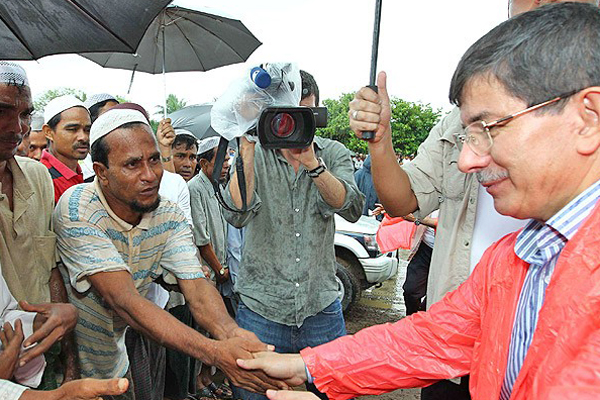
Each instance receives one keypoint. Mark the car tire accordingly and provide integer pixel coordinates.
(350, 290)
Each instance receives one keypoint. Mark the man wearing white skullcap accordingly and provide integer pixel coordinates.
(185, 152)
(67, 126)
(99, 103)
(27, 247)
(115, 237)
(210, 227)
(37, 140)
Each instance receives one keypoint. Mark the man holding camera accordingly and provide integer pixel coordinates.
(287, 285)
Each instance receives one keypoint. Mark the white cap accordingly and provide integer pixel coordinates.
(208, 144)
(181, 131)
(60, 104)
(114, 119)
(12, 74)
(98, 98)
(37, 121)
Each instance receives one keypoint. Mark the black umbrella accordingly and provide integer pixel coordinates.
(180, 39)
(31, 29)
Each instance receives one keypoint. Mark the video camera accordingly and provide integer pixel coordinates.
(290, 127)
(265, 107)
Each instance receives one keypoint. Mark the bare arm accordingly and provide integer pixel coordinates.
(208, 254)
(118, 290)
(165, 135)
(82, 389)
(247, 154)
(330, 188)
(58, 294)
(207, 307)
(370, 111)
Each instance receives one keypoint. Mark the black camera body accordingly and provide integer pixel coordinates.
(290, 127)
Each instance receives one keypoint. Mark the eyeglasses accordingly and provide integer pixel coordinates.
(477, 135)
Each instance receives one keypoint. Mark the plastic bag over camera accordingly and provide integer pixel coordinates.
(239, 108)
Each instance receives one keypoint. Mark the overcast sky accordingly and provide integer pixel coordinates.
(420, 44)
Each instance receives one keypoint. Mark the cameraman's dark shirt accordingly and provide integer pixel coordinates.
(288, 263)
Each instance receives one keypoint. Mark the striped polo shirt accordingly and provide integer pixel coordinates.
(540, 245)
(93, 239)
(63, 177)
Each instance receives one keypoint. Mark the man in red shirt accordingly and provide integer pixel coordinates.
(67, 126)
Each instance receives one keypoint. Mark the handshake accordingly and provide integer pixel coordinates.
(289, 368)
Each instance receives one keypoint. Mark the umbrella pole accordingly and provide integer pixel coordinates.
(164, 61)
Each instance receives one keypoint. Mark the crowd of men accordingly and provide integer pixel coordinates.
(120, 265)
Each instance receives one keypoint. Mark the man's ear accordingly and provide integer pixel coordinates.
(48, 132)
(588, 138)
(101, 171)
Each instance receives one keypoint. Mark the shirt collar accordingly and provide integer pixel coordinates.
(65, 171)
(124, 225)
(560, 228)
(21, 184)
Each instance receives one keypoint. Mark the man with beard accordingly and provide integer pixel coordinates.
(115, 237)
(67, 126)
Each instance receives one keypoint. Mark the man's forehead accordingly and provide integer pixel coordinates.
(485, 98)
(16, 96)
(76, 113)
(131, 140)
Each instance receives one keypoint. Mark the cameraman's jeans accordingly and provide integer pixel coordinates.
(321, 328)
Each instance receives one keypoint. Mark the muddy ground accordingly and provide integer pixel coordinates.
(377, 306)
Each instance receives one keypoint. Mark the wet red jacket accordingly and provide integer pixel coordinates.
(469, 331)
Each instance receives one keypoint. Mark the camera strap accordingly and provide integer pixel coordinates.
(239, 167)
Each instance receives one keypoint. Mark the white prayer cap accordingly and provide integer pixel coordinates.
(37, 121)
(60, 104)
(12, 74)
(98, 98)
(208, 144)
(114, 119)
(181, 131)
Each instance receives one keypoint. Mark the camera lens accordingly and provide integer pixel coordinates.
(283, 125)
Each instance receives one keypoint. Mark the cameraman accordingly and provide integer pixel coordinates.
(286, 282)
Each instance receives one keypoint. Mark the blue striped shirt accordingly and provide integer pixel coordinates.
(540, 244)
(92, 239)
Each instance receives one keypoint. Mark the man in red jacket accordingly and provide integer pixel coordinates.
(526, 323)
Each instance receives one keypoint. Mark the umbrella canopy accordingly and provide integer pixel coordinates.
(31, 29)
(195, 119)
(181, 40)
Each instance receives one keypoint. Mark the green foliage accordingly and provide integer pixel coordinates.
(411, 123)
(51, 94)
(122, 99)
(173, 104)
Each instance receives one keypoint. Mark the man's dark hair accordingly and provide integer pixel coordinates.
(100, 149)
(54, 121)
(537, 55)
(95, 109)
(309, 86)
(186, 139)
(207, 155)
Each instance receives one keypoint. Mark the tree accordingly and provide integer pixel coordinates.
(411, 123)
(51, 94)
(173, 104)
